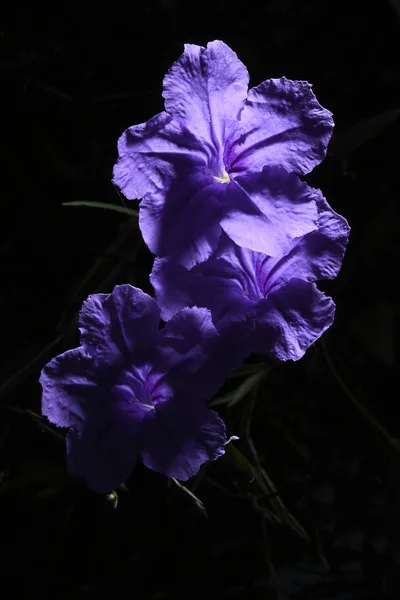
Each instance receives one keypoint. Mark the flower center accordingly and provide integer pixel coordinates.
(224, 178)
(133, 387)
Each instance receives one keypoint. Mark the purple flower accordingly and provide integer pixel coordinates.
(131, 388)
(275, 297)
(191, 163)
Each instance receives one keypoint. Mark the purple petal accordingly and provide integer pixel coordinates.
(235, 280)
(312, 257)
(183, 223)
(104, 450)
(268, 210)
(328, 244)
(197, 360)
(291, 319)
(68, 388)
(205, 89)
(281, 124)
(225, 283)
(220, 286)
(118, 327)
(196, 357)
(175, 287)
(184, 342)
(104, 416)
(151, 154)
(181, 437)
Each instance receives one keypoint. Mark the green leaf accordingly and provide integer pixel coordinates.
(232, 398)
(247, 370)
(121, 209)
(238, 460)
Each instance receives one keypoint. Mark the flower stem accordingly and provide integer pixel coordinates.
(393, 442)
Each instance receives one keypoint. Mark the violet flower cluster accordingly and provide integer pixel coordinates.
(240, 241)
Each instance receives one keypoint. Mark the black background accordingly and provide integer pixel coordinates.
(74, 77)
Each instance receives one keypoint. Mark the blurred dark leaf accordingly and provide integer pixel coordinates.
(105, 205)
(238, 460)
(101, 276)
(396, 6)
(42, 472)
(374, 328)
(234, 397)
(345, 142)
(247, 370)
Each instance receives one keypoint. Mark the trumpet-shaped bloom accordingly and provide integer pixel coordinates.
(275, 297)
(132, 389)
(190, 163)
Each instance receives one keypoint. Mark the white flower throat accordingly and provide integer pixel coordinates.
(224, 177)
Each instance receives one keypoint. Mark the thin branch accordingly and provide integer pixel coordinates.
(105, 205)
(393, 442)
(37, 419)
(268, 559)
(52, 90)
(268, 485)
(195, 499)
(23, 372)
